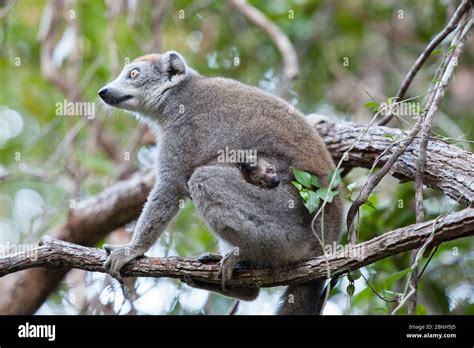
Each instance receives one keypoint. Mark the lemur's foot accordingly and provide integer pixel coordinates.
(209, 258)
(117, 257)
(227, 265)
(189, 280)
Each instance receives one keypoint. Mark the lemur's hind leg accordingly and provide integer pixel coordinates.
(209, 258)
(243, 215)
(227, 265)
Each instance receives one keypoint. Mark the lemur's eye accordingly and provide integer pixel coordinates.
(134, 73)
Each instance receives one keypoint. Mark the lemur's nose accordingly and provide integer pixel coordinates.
(102, 92)
(276, 181)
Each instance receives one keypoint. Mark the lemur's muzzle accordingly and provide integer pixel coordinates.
(112, 96)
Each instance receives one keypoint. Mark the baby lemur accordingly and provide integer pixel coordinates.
(196, 117)
(259, 172)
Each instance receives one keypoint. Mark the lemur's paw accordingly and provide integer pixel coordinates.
(189, 280)
(227, 265)
(117, 257)
(209, 258)
(109, 248)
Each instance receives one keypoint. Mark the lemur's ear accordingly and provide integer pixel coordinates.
(173, 64)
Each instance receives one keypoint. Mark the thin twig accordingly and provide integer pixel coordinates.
(375, 179)
(427, 123)
(290, 59)
(427, 262)
(452, 24)
(233, 309)
(376, 292)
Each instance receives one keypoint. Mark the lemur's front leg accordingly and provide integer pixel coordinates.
(161, 206)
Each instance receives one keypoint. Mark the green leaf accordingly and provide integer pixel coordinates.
(371, 105)
(380, 309)
(392, 293)
(350, 289)
(337, 178)
(305, 195)
(326, 194)
(451, 49)
(297, 185)
(362, 297)
(312, 203)
(351, 186)
(315, 181)
(396, 276)
(302, 177)
(371, 202)
(437, 51)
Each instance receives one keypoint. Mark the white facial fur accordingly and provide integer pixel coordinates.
(144, 91)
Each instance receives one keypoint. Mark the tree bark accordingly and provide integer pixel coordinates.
(54, 253)
(448, 168)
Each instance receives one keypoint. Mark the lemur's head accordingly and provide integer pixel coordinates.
(143, 84)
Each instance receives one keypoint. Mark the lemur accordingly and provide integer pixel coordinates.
(197, 117)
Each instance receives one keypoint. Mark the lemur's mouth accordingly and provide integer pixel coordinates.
(110, 96)
(121, 99)
(112, 100)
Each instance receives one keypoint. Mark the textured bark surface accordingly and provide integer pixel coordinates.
(56, 253)
(448, 169)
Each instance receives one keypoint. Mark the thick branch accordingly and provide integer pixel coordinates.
(56, 253)
(448, 168)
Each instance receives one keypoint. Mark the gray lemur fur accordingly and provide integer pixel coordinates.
(199, 116)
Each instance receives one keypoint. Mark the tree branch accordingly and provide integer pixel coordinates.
(452, 24)
(427, 124)
(448, 168)
(88, 222)
(287, 51)
(55, 253)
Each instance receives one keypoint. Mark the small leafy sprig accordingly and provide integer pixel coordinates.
(310, 188)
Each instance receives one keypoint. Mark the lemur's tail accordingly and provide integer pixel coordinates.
(304, 299)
